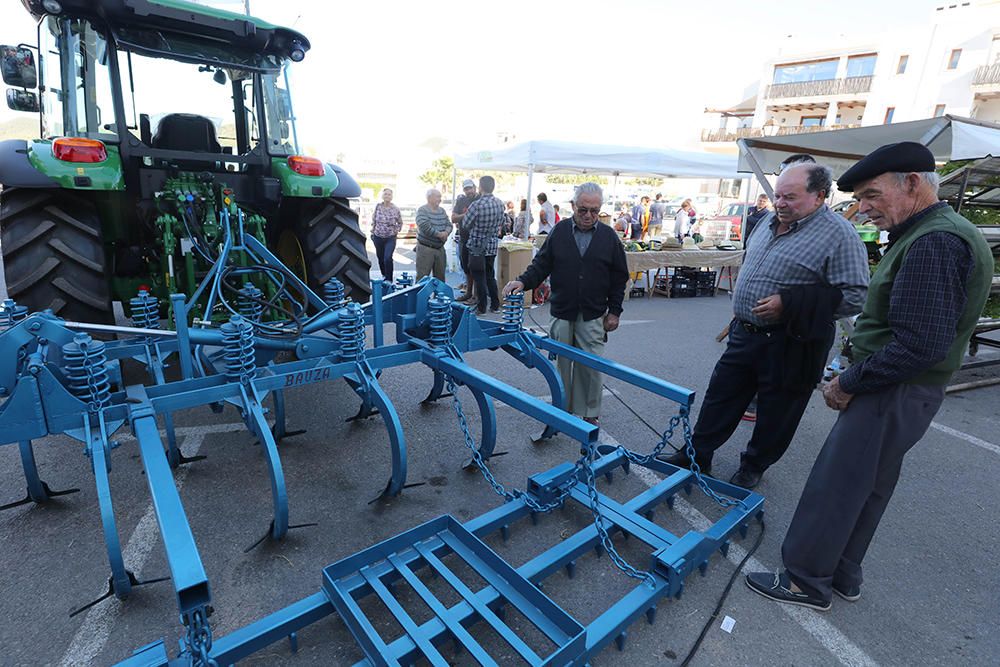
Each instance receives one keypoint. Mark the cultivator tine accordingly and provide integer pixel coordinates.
(48, 494)
(546, 434)
(133, 583)
(470, 463)
(365, 411)
(271, 533)
(177, 458)
(437, 390)
(386, 493)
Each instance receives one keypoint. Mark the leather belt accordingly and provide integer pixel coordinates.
(750, 327)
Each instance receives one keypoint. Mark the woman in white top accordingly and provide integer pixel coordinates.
(682, 221)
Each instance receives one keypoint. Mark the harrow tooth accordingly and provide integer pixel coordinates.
(571, 569)
(293, 642)
(703, 567)
(534, 518)
(599, 549)
(627, 467)
(649, 514)
(501, 612)
(724, 549)
(651, 614)
(609, 476)
(743, 530)
(670, 501)
(505, 532)
(620, 640)
(680, 591)
(687, 489)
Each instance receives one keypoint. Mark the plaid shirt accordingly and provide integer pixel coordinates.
(820, 249)
(482, 221)
(927, 299)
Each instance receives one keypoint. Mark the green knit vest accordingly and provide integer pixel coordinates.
(872, 331)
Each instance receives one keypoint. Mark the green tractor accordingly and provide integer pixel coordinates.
(156, 116)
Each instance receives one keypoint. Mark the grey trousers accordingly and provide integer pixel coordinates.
(851, 483)
(430, 261)
(584, 386)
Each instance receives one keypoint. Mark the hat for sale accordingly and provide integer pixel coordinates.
(904, 157)
(468, 183)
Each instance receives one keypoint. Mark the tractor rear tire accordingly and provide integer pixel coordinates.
(332, 246)
(53, 254)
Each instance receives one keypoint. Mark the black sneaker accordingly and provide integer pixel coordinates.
(778, 587)
(849, 593)
(681, 460)
(746, 478)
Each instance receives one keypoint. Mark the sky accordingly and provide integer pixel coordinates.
(384, 77)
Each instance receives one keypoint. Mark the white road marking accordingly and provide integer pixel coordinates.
(988, 446)
(832, 639)
(92, 635)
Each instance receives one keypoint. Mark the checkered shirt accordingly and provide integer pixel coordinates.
(483, 220)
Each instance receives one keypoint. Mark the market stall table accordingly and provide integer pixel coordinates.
(661, 260)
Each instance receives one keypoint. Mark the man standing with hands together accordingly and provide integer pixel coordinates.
(586, 262)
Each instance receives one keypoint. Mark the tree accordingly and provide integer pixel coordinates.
(651, 181)
(575, 179)
(439, 174)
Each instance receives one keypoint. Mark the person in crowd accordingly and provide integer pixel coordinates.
(462, 204)
(657, 211)
(558, 217)
(386, 223)
(588, 272)
(433, 229)
(623, 223)
(482, 222)
(547, 214)
(803, 271)
(759, 211)
(922, 306)
(640, 217)
(507, 227)
(522, 223)
(682, 221)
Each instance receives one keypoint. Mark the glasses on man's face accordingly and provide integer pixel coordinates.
(583, 210)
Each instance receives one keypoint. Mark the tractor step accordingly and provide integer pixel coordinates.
(375, 570)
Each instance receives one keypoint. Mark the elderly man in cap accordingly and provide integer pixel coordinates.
(469, 195)
(922, 306)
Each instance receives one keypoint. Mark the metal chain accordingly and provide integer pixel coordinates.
(477, 458)
(643, 459)
(199, 640)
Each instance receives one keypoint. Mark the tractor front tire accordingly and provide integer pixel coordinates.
(332, 246)
(53, 254)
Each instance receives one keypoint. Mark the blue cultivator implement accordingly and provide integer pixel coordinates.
(57, 379)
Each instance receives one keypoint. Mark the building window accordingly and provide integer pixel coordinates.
(863, 65)
(812, 121)
(939, 111)
(815, 70)
(838, 120)
(888, 115)
(901, 65)
(954, 58)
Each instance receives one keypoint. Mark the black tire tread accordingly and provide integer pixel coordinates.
(333, 245)
(53, 253)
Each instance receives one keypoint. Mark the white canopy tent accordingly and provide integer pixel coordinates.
(563, 157)
(948, 137)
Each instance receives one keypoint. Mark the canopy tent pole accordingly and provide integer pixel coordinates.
(454, 184)
(614, 191)
(531, 173)
(757, 170)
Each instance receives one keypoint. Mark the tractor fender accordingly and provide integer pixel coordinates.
(17, 171)
(105, 175)
(348, 187)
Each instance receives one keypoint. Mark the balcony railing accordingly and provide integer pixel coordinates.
(854, 84)
(745, 132)
(986, 74)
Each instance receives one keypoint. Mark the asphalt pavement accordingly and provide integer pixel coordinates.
(929, 596)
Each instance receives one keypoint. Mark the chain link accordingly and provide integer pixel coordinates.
(199, 640)
(477, 458)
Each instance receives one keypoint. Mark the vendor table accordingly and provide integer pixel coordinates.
(661, 260)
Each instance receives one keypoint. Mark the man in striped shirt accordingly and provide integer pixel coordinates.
(802, 245)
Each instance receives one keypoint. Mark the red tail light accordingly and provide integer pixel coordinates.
(77, 149)
(307, 166)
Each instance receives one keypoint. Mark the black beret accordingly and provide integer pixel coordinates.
(904, 157)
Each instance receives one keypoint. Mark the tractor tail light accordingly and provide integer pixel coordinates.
(77, 149)
(307, 166)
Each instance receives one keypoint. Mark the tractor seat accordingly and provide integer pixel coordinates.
(186, 132)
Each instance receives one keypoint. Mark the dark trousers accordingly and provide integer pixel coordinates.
(384, 247)
(753, 363)
(851, 483)
(486, 284)
(463, 254)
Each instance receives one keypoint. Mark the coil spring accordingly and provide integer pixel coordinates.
(237, 348)
(405, 280)
(249, 302)
(513, 313)
(145, 310)
(11, 313)
(87, 372)
(333, 293)
(439, 319)
(351, 332)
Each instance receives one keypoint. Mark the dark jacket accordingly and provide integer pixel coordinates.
(592, 285)
(809, 313)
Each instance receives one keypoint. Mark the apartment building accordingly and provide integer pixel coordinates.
(949, 65)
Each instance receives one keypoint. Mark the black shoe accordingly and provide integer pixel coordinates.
(849, 593)
(681, 460)
(746, 478)
(778, 587)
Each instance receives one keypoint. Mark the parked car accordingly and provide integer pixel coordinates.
(409, 215)
(727, 225)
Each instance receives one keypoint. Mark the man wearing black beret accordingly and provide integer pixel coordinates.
(923, 303)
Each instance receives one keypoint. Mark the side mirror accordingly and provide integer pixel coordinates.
(22, 100)
(17, 65)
